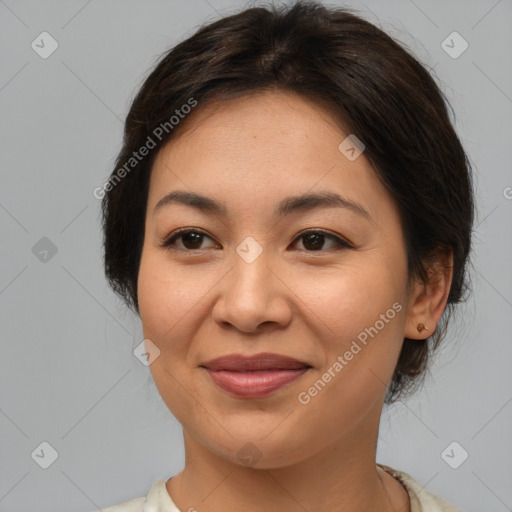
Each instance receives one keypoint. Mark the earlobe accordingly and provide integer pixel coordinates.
(427, 301)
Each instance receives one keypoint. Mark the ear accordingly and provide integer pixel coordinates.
(427, 300)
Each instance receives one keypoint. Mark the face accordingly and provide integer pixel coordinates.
(324, 283)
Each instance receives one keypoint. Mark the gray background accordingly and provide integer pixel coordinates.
(68, 373)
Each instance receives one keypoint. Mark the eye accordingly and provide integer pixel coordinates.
(314, 239)
(191, 239)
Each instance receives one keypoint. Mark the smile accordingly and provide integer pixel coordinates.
(254, 384)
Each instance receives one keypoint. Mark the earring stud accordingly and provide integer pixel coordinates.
(421, 327)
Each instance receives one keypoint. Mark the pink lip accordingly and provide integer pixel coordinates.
(263, 361)
(254, 384)
(254, 376)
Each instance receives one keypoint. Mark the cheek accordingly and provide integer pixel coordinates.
(360, 332)
(347, 300)
(362, 315)
(165, 295)
(165, 298)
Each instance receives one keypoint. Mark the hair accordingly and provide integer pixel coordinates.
(373, 87)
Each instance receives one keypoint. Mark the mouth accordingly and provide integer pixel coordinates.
(257, 362)
(254, 376)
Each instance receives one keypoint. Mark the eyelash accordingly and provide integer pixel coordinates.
(168, 243)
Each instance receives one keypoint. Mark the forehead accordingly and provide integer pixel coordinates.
(252, 151)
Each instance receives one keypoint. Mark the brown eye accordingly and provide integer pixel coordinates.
(314, 240)
(191, 240)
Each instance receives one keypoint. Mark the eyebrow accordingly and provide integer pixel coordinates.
(291, 204)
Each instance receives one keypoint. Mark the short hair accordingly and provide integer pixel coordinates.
(374, 88)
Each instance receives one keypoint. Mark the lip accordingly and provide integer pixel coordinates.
(263, 361)
(255, 384)
(254, 376)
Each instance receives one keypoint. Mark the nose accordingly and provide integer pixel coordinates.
(252, 297)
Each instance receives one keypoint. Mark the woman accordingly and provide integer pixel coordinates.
(290, 215)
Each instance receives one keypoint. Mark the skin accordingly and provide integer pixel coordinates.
(249, 154)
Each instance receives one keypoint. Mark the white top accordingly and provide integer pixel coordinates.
(158, 499)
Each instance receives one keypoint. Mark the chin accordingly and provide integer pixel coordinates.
(261, 451)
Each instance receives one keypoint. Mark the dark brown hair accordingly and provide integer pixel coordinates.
(373, 86)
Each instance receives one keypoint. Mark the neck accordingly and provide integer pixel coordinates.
(342, 476)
